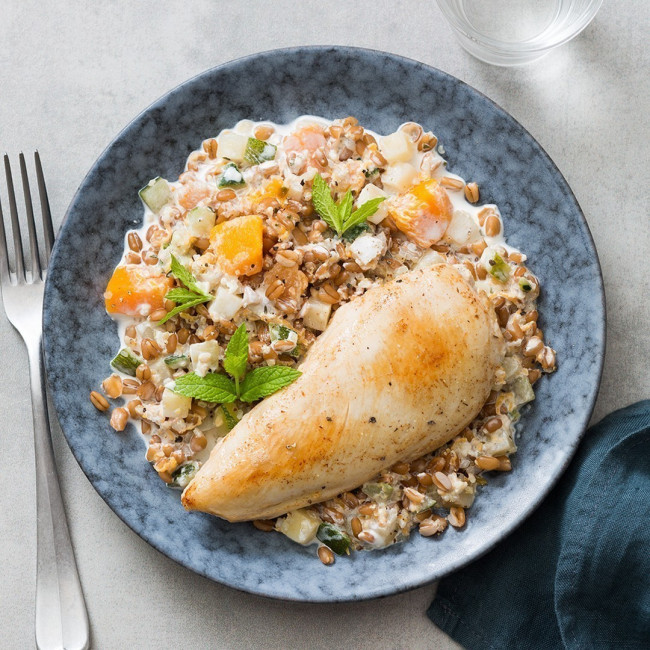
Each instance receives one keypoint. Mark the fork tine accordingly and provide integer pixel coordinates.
(31, 226)
(5, 276)
(15, 225)
(48, 229)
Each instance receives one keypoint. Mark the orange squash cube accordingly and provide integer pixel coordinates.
(238, 245)
(136, 290)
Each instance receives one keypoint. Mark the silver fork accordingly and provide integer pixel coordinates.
(61, 619)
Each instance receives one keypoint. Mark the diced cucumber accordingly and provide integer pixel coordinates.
(229, 416)
(334, 538)
(258, 151)
(156, 194)
(231, 176)
(511, 366)
(184, 474)
(279, 332)
(378, 491)
(176, 361)
(200, 221)
(124, 361)
(523, 390)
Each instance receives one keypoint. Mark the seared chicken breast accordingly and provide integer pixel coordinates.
(399, 372)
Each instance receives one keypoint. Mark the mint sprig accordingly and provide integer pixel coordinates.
(185, 297)
(339, 216)
(246, 387)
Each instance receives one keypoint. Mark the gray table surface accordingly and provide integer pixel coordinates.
(73, 74)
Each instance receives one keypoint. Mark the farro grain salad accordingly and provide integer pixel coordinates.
(322, 332)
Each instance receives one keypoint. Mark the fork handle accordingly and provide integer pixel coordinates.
(61, 619)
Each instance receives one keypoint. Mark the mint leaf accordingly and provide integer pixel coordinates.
(361, 215)
(236, 357)
(184, 276)
(324, 203)
(184, 306)
(345, 209)
(211, 388)
(180, 294)
(266, 380)
(228, 415)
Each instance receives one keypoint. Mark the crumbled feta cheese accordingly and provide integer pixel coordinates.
(384, 527)
(205, 357)
(251, 296)
(367, 249)
(225, 305)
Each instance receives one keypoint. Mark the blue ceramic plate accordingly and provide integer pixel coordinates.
(482, 143)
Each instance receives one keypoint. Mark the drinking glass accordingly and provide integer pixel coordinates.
(512, 32)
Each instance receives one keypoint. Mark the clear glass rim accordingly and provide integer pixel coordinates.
(529, 46)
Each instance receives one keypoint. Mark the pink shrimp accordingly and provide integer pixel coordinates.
(308, 138)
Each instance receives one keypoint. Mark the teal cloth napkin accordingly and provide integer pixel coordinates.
(576, 574)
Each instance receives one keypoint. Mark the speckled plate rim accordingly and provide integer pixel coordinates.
(599, 335)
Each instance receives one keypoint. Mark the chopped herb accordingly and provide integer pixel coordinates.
(525, 285)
